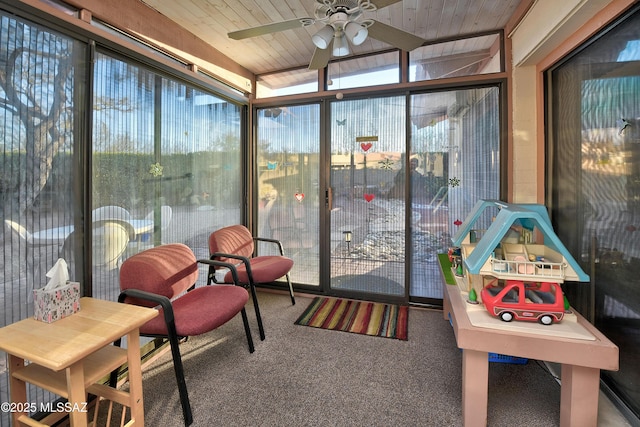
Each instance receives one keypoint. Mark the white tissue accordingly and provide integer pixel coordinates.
(58, 275)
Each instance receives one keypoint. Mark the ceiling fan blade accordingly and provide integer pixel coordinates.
(268, 29)
(321, 57)
(394, 36)
(384, 3)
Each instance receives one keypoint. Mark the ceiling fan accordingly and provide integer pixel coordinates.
(343, 24)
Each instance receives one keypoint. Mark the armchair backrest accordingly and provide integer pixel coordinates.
(167, 270)
(234, 239)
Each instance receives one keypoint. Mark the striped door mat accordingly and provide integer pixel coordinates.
(360, 317)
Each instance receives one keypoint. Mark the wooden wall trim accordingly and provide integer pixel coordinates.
(136, 18)
(509, 101)
(518, 16)
(590, 28)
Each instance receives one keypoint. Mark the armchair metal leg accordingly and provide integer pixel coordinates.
(293, 298)
(247, 330)
(182, 384)
(254, 297)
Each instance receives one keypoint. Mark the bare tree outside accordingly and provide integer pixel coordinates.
(36, 90)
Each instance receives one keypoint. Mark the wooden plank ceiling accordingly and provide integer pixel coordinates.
(211, 20)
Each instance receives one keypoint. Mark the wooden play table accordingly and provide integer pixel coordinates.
(581, 361)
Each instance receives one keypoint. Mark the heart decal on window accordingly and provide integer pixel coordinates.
(299, 196)
(366, 146)
(369, 197)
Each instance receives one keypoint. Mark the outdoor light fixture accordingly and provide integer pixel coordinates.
(347, 238)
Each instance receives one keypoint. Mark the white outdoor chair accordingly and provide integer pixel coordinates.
(110, 212)
(109, 243)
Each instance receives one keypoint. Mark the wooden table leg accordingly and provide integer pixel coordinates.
(17, 388)
(446, 306)
(77, 395)
(579, 396)
(135, 377)
(475, 387)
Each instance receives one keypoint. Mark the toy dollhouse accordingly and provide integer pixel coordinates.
(519, 244)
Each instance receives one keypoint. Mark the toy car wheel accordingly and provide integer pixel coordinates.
(506, 316)
(546, 319)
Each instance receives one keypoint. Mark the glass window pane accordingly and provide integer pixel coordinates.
(166, 159)
(364, 71)
(38, 137)
(368, 145)
(39, 140)
(288, 185)
(454, 162)
(464, 57)
(287, 83)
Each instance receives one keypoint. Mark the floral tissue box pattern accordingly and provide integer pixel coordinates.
(55, 304)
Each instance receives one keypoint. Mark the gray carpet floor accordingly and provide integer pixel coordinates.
(303, 376)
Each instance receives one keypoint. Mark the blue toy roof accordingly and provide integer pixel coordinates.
(527, 215)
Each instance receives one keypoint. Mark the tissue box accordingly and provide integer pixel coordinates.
(63, 301)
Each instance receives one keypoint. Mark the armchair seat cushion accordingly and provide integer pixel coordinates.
(265, 269)
(220, 302)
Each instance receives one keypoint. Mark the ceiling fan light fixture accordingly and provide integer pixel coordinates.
(323, 37)
(340, 46)
(356, 33)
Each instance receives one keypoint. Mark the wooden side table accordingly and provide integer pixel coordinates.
(69, 356)
(581, 362)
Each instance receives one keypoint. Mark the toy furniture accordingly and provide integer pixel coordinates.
(69, 356)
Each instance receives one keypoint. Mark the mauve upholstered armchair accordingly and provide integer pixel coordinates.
(165, 277)
(235, 244)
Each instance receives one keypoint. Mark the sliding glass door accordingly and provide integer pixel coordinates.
(287, 187)
(454, 162)
(399, 190)
(365, 214)
(594, 191)
(367, 197)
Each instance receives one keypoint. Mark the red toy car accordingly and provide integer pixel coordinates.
(542, 302)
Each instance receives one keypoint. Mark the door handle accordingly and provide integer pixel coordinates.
(328, 198)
